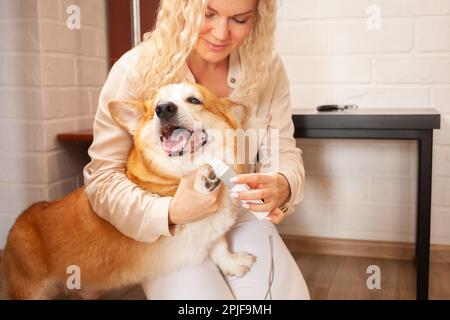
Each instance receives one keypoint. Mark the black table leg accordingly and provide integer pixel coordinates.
(424, 213)
(423, 221)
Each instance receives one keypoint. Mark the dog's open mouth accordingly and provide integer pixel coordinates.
(176, 141)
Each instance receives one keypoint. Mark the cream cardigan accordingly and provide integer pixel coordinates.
(142, 215)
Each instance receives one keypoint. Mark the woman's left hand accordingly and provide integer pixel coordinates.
(273, 188)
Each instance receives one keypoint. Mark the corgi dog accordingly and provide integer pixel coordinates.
(168, 130)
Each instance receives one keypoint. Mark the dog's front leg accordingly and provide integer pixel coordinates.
(234, 264)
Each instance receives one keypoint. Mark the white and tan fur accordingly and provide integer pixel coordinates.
(49, 237)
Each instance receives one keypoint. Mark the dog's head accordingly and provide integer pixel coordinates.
(174, 128)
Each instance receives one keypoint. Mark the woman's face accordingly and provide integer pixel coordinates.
(227, 24)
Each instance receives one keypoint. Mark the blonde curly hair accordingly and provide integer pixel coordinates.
(165, 50)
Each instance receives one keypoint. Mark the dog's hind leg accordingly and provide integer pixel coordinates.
(26, 274)
(23, 289)
(26, 284)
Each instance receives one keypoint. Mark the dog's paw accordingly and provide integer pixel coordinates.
(238, 264)
(206, 180)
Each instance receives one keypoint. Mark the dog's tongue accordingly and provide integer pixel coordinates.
(174, 140)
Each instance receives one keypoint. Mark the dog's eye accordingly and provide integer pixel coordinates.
(193, 100)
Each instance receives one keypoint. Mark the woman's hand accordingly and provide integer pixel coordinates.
(273, 188)
(189, 205)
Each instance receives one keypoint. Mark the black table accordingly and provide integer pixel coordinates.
(410, 124)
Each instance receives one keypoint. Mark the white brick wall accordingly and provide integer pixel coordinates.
(50, 80)
(367, 189)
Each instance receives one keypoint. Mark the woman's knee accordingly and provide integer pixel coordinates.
(275, 273)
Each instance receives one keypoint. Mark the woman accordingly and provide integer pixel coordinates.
(227, 46)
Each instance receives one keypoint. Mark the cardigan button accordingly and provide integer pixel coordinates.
(233, 80)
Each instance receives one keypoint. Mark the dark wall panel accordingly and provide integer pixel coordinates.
(119, 25)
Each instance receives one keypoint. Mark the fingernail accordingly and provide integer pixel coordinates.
(269, 218)
(234, 195)
(234, 179)
(246, 205)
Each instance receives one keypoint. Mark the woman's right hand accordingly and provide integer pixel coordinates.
(189, 205)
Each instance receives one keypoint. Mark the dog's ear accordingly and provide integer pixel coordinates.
(237, 111)
(128, 114)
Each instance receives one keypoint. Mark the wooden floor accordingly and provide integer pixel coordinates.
(344, 278)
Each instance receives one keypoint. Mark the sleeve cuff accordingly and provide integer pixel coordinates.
(287, 207)
(157, 221)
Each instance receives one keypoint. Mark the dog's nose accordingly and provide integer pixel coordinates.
(166, 110)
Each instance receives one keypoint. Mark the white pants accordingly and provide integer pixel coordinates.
(205, 281)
